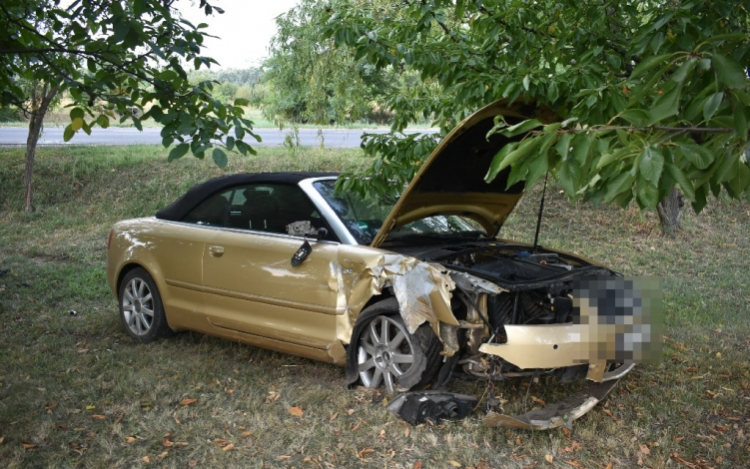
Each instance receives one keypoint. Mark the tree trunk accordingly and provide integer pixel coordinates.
(670, 212)
(40, 102)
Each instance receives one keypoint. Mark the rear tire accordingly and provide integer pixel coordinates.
(387, 354)
(141, 309)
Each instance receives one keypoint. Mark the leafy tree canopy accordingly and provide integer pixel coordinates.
(125, 54)
(309, 79)
(649, 95)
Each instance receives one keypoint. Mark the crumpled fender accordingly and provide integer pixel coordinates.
(423, 289)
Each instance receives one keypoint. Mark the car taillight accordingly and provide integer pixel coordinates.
(109, 240)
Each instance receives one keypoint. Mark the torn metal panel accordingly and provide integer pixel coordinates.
(468, 282)
(423, 289)
(554, 415)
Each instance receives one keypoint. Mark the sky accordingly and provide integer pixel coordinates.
(244, 30)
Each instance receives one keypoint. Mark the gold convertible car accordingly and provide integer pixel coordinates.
(402, 294)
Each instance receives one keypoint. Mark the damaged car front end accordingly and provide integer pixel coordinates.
(500, 309)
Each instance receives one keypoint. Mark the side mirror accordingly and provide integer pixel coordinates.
(305, 250)
(301, 254)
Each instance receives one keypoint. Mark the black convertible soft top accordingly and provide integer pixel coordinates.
(177, 210)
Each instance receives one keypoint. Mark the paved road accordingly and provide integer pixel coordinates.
(331, 138)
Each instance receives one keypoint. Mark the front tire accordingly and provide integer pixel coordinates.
(387, 354)
(141, 309)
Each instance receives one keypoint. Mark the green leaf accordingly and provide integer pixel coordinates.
(85, 127)
(497, 160)
(581, 144)
(650, 165)
(728, 165)
(684, 70)
(569, 175)
(679, 177)
(68, 133)
(647, 193)
(553, 92)
(525, 148)
(220, 158)
(622, 183)
(649, 63)
(712, 105)
(700, 198)
(729, 72)
(563, 146)
(521, 128)
(241, 102)
(121, 28)
(103, 121)
(637, 117)
(666, 105)
(526, 82)
(698, 156)
(740, 123)
(739, 183)
(76, 113)
(178, 152)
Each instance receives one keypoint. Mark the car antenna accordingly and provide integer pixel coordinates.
(541, 211)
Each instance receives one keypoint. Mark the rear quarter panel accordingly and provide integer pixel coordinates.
(172, 253)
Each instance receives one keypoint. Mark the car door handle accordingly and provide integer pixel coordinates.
(216, 251)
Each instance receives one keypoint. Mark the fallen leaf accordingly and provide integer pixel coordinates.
(417, 465)
(284, 457)
(99, 417)
(192, 463)
(28, 446)
(573, 463)
(296, 411)
(609, 466)
(549, 458)
(163, 455)
(167, 443)
(50, 406)
(188, 401)
(146, 459)
(406, 432)
(536, 400)
(228, 447)
(181, 443)
(645, 450)
(678, 459)
(90, 407)
(350, 411)
(454, 463)
(608, 412)
(364, 452)
(130, 439)
(2, 438)
(245, 434)
(640, 460)
(221, 442)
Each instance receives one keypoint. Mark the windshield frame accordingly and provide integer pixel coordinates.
(369, 232)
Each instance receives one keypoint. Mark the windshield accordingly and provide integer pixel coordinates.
(363, 217)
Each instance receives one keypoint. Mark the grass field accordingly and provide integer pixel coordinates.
(75, 391)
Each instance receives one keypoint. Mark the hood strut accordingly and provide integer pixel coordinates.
(541, 211)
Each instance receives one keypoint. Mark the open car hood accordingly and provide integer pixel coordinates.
(451, 181)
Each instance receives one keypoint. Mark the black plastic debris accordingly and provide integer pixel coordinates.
(434, 406)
